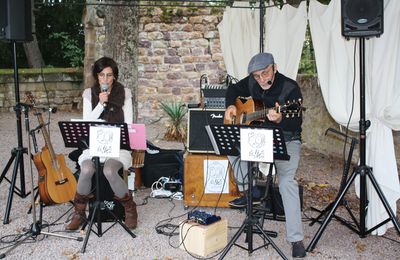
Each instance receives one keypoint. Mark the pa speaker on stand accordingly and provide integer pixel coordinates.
(362, 18)
(16, 20)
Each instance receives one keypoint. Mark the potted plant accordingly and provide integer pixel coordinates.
(176, 130)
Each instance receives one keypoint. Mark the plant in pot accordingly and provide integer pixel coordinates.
(176, 129)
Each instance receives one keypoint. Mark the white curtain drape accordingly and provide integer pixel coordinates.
(284, 37)
(285, 32)
(239, 33)
(337, 67)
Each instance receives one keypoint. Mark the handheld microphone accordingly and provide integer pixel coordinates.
(104, 89)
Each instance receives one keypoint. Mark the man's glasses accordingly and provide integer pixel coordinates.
(264, 74)
(104, 75)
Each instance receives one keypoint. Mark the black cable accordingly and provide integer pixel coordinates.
(352, 107)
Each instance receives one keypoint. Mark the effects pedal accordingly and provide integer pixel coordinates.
(202, 217)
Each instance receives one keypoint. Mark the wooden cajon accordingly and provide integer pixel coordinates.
(203, 239)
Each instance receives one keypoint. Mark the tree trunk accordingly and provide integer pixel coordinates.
(121, 42)
(32, 51)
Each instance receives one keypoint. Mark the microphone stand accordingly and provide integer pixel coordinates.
(35, 228)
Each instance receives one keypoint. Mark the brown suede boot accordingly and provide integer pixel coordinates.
(130, 210)
(79, 215)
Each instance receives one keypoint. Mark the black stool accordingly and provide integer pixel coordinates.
(107, 197)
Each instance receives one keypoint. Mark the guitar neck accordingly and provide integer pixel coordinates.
(259, 114)
(46, 137)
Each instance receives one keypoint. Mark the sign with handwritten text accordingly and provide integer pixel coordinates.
(216, 176)
(104, 141)
(256, 145)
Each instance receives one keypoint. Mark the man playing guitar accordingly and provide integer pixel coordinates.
(272, 89)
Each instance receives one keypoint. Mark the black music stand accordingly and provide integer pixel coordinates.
(345, 174)
(76, 133)
(226, 141)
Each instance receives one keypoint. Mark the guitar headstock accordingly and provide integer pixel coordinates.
(30, 99)
(292, 108)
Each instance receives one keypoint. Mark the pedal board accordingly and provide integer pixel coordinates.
(202, 217)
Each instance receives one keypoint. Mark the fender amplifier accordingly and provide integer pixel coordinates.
(198, 140)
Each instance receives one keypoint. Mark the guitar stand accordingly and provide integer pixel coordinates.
(343, 201)
(76, 134)
(35, 228)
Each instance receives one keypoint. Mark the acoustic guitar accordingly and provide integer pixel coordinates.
(249, 111)
(57, 184)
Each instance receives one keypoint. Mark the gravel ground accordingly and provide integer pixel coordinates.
(319, 174)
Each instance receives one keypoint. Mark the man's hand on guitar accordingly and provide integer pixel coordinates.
(274, 116)
(230, 114)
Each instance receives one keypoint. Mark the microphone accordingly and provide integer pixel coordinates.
(104, 88)
(269, 82)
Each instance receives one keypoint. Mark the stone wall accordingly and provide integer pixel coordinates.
(176, 47)
(57, 89)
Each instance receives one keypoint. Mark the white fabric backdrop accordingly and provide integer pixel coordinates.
(284, 37)
(239, 33)
(336, 70)
(285, 32)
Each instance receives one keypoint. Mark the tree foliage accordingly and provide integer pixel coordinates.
(59, 31)
(59, 27)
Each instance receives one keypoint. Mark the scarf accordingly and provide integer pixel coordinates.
(113, 111)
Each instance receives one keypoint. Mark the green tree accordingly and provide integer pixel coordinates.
(60, 31)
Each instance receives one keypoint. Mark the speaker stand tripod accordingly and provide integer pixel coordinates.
(363, 171)
(17, 152)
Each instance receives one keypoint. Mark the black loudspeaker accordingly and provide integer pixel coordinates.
(362, 18)
(198, 140)
(16, 20)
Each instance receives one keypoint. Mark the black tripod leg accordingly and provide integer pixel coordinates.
(26, 236)
(321, 229)
(321, 213)
(89, 229)
(266, 237)
(385, 203)
(120, 222)
(11, 190)
(10, 161)
(233, 240)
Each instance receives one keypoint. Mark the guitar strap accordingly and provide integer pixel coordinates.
(285, 93)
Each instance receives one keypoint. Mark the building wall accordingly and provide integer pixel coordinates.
(57, 89)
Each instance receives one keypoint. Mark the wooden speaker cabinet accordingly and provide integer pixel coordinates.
(194, 185)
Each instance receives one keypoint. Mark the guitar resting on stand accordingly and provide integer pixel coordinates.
(57, 183)
(35, 229)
